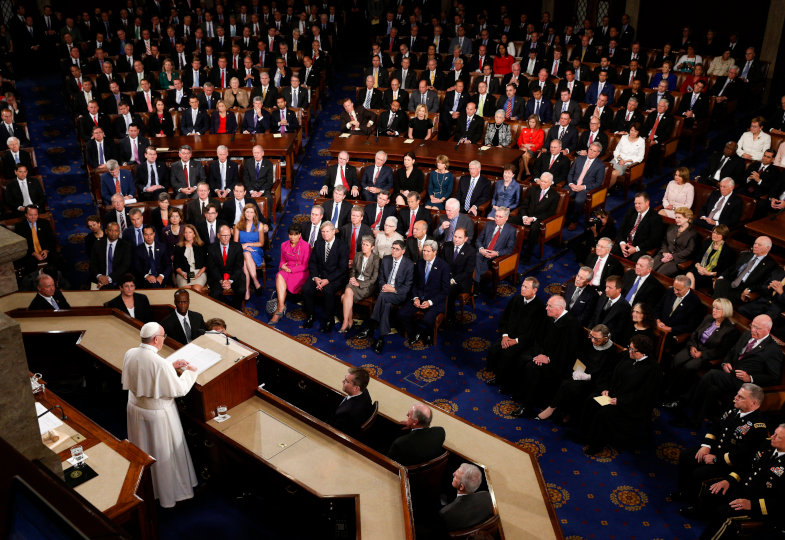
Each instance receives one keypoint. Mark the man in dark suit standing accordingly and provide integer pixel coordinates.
(337, 210)
(495, 240)
(422, 443)
(581, 296)
(49, 297)
(469, 126)
(429, 295)
(396, 275)
(110, 259)
(755, 357)
(327, 273)
(474, 189)
(639, 231)
(722, 207)
(748, 275)
(470, 507)
(225, 268)
(183, 325)
(21, 192)
(541, 203)
(223, 173)
(461, 257)
(356, 407)
(152, 261)
(549, 360)
(586, 174)
(638, 285)
(612, 310)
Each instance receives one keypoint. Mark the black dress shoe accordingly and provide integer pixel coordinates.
(522, 412)
(427, 341)
(327, 327)
(308, 323)
(365, 333)
(378, 347)
(414, 339)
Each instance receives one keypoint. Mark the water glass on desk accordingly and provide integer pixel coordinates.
(220, 412)
(77, 456)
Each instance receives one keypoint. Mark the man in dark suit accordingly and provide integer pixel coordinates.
(640, 231)
(49, 297)
(195, 207)
(657, 129)
(223, 173)
(21, 192)
(496, 240)
(553, 162)
(519, 324)
(612, 310)
(327, 273)
(762, 177)
(209, 228)
(358, 120)
(412, 213)
(424, 96)
(627, 116)
(379, 78)
(416, 242)
(586, 174)
(183, 325)
(396, 276)
(231, 211)
(31, 229)
(194, 120)
(343, 174)
(194, 76)
(750, 274)
(492, 85)
(225, 267)
(723, 206)
(433, 76)
(429, 295)
(15, 156)
(86, 123)
(393, 122)
(356, 407)
(99, 150)
(376, 214)
(565, 103)
(110, 259)
(208, 98)
(178, 98)
(596, 132)
(452, 220)
(258, 175)
(679, 310)
(755, 357)
(581, 296)
(353, 232)
(638, 285)
(454, 104)
(110, 179)
(474, 189)
(694, 106)
(131, 147)
(422, 443)
(602, 264)
(470, 507)
(395, 93)
(295, 95)
(151, 261)
(469, 126)
(337, 210)
(539, 106)
(461, 257)
(541, 203)
(565, 133)
(599, 110)
(406, 75)
(576, 88)
(725, 165)
(283, 120)
(152, 176)
(513, 106)
(257, 119)
(548, 361)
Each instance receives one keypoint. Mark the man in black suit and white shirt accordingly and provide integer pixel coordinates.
(194, 120)
(474, 189)
(345, 175)
(185, 174)
(110, 259)
(679, 310)
(15, 156)
(470, 507)
(412, 213)
(541, 203)
(602, 264)
(356, 407)
(612, 310)
(337, 210)
(223, 173)
(183, 325)
(639, 231)
(49, 297)
(209, 228)
(21, 192)
(586, 174)
(393, 122)
(376, 214)
(430, 288)
(461, 257)
(395, 93)
(258, 175)
(225, 267)
(581, 296)
(722, 207)
(725, 165)
(638, 285)
(152, 177)
(496, 240)
(422, 443)
(327, 273)
(152, 262)
(454, 103)
(553, 162)
(748, 275)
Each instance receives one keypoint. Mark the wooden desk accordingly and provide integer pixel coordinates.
(361, 147)
(518, 486)
(239, 145)
(773, 228)
(123, 487)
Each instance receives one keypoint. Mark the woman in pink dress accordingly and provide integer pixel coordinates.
(678, 193)
(293, 270)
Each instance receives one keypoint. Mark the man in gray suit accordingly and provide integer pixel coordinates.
(185, 174)
(451, 221)
(494, 241)
(426, 97)
(586, 174)
(396, 275)
(470, 507)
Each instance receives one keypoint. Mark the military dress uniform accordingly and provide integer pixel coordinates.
(763, 485)
(733, 439)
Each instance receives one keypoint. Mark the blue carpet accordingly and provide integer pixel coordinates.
(610, 495)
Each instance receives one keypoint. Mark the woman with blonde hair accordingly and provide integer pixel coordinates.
(420, 127)
(236, 97)
(678, 245)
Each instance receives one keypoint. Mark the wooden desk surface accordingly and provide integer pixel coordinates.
(239, 144)
(326, 467)
(513, 475)
(773, 228)
(365, 148)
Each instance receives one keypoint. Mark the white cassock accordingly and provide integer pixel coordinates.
(154, 424)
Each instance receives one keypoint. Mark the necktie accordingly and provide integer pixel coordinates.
(508, 109)
(122, 221)
(149, 103)
(561, 132)
(633, 290)
(117, 186)
(258, 168)
(187, 329)
(101, 159)
(375, 175)
(353, 243)
(312, 238)
(676, 304)
(109, 259)
(653, 132)
(367, 102)
(715, 212)
(223, 256)
(746, 69)
(294, 98)
(480, 107)
(54, 304)
(745, 272)
(211, 226)
(494, 239)
(542, 195)
(282, 128)
(411, 224)
(223, 78)
(135, 149)
(138, 236)
(391, 281)
(427, 270)
(627, 116)
(379, 213)
(16, 157)
(36, 242)
(153, 175)
(555, 69)
(694, 99)
(467, 202)
(95, 119)
(591, 137)
(584, 171)
(326, 252)
(153, 269)
(343, 178)
(335, 215)
(553, 158)
(631, 235)
(608, 304)
(185, 173)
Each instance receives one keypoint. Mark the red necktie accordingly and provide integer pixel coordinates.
(95, 120)
(185, 172)
(494, 239)
(343, 179)
(224, 255)
(226, 274)
(378, 218)
(411, 224)
(353, 243)
(634, 229)
(654, 129)
(597, 266)
(591, 138)
(223, 79)
(553, 158)
(117, 186)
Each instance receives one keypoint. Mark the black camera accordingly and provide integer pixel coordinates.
(594, 220)
(191, 275)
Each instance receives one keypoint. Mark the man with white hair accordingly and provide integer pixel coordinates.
(153, 422)
(470, 506)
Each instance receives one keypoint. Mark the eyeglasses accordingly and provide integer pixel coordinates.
(632, 349)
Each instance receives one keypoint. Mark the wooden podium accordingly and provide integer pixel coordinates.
(229, 382)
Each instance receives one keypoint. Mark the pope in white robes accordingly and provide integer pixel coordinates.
(153, 422)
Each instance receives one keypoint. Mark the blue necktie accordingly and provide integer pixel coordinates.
(150, 255)
(633, 290)
(138, 236)
(109, 260)
(427, 271)
(335, 215)
(258, 166)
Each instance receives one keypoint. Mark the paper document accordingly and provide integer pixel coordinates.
(345, 135)
(48, 421)
(408, 141)
(603, 400)
(483, 148)
(199, 357)
(579, 366)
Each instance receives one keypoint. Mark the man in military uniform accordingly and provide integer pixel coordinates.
(756, 494)
(730, 443)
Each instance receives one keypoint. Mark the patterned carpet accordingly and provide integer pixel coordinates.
(610, 495)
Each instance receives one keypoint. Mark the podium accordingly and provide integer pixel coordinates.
(229, 382)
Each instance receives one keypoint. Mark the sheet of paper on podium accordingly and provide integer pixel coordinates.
(48, 421)
(199, 357)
